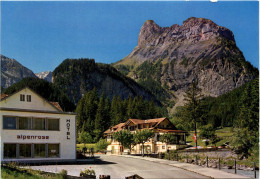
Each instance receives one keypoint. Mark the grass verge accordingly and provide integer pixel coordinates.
(21, 173)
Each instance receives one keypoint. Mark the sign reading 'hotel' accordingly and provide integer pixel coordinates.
(68, 128)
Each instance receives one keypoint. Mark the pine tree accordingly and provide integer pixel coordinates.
(192, 108)
(113, 111)
(120, 110)
(80, 118)
(107, 119)
(129, 108)
(246, 131)
(100, 115)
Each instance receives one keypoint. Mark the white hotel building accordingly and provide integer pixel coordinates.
(33, 128)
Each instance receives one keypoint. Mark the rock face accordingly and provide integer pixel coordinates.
(199, 49)
(47, 75)
(12, 72)
(77, 76)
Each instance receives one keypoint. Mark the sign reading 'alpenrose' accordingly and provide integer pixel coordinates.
(23, 137)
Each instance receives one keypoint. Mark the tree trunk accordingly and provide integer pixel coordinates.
(121, 147)
(196, 144)
(143, 149)
(130, 148)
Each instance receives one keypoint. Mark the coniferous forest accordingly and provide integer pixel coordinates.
(95, 113)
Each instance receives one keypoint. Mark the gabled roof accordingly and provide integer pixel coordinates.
(115, 128)
(56, 105)
(157, 121)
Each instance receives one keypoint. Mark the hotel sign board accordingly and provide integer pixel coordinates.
(68, 128)
(23, 137)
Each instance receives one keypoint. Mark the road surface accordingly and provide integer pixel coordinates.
(120, 167)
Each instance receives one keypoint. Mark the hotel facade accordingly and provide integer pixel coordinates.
(33, 128)
(159, 126)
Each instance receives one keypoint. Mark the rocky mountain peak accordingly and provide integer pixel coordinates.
(148, 30)
(193, 30)
(12, 71)
(47, 75)
(207, 28)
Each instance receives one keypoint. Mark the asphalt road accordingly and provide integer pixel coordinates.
(120, 167)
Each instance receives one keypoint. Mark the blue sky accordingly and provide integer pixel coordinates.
(40, 35)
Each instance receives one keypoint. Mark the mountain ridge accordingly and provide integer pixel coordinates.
(12, 71)
(199, 50)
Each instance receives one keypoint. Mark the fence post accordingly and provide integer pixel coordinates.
(235, 166)
(196, 160)
(176, 157)
(219, 163)
(254, 170)
(207, 161)
(186, 158)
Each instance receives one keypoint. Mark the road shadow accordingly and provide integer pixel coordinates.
(89, 160)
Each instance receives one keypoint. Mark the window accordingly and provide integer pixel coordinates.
(53, 124)
(38, 123)
(163, 147)
(9, 150)
(22, 97)
(53, 150)
(39, 150)
(25, 150)
(29, 98)
(9, 122)
(24, 123)
(158, 137)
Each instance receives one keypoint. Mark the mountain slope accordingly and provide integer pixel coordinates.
(12, 72)
(81, 75)
(170, 58)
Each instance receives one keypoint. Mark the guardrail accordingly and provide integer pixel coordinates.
(197, 160)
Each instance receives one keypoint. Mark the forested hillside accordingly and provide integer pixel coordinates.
(224, 111)
(77, 76)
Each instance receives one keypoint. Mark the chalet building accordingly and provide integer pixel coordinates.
(159, 126)
(33, 128)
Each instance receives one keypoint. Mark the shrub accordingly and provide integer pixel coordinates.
(12, 164)
(87, 172)
(64, 174)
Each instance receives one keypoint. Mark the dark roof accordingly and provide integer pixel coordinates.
(3, 96)
(57, 105)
